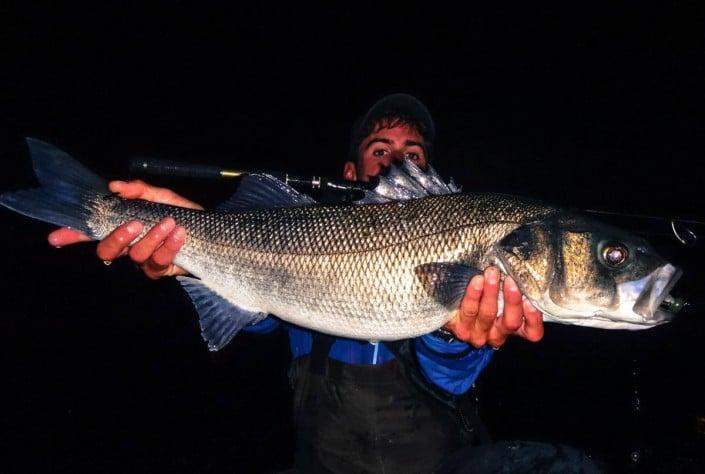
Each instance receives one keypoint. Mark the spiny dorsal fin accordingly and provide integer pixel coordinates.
(407, 181)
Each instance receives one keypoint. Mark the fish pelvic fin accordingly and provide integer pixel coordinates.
(67, 189)
(220, 320)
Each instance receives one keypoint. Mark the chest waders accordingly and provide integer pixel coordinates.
(376, 418)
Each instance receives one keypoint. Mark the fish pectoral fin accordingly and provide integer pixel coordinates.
(219, 319)
(260, 191)
(446, 282)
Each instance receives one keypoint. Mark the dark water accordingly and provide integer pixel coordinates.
(104, 370)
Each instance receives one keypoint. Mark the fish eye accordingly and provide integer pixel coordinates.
(615, 254)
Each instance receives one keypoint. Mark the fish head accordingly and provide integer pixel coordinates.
(577, 270)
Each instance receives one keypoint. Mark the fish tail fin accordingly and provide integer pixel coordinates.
(67, 193)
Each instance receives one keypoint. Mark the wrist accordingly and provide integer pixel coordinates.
(445, 335)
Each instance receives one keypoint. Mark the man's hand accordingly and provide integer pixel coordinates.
(477, 323)
(156, 250)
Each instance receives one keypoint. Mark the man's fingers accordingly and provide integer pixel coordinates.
(487, 312)
(172, 244)
(160, 264)
(463, 324)
(477, 323)
(144, 249)
(532, 329)
(471, 301)
(513, 314)
(128, 189)
(512, 317)
(137, 189)
(66, 236)
(115, 244)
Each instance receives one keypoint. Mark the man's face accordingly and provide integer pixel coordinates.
(383, 147)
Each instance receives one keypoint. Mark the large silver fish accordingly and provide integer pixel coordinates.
(381, 270)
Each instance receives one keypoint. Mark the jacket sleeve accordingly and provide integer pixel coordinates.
(267, 325)
(452, 366)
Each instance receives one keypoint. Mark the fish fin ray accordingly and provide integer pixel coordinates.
(67, 189)
(445, 282)
(428, 180)
(407, 181)
(220, 320)
(258, 191)
(401, 178)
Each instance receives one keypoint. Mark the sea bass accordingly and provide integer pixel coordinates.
(384, 269)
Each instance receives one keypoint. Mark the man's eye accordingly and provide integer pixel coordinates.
(379, 153)
(412, 156)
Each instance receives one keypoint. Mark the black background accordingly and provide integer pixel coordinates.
(594, 107)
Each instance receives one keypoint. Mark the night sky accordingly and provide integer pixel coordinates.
(598, 107)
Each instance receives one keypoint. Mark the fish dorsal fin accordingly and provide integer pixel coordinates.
(393, 190)
(453, 187)
(446, 282)
(428, 180)
(407, 181)
(219, 319)
(399, 178)
(258, 191)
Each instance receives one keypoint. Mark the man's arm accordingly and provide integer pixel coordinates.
(454, 366)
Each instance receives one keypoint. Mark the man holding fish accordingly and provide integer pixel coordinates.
(355, 408)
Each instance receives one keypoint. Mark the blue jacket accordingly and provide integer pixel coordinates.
(452, 366)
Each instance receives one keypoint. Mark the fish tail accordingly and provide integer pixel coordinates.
(67, 193)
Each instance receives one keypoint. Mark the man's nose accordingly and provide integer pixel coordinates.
(394, 157)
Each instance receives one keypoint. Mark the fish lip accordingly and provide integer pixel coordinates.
(649, 301)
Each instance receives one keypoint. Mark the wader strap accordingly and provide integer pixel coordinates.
(320, 348)
(465, 405)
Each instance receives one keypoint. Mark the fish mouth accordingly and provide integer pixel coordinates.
(655, 304)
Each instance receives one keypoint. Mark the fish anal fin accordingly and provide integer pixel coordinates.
(219, 319)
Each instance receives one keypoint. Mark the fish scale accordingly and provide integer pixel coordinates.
(362, 258)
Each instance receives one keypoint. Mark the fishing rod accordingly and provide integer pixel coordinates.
(348, 191)
(678, 227)
(345, 190)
